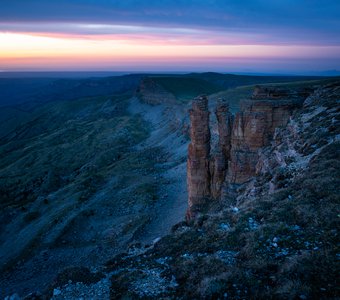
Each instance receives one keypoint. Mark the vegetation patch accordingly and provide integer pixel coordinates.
(186, 88)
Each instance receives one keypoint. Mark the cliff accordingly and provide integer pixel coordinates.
(254, 128)
(219, 162)
(240, 140)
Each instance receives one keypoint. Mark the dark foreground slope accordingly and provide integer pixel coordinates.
(278, 239)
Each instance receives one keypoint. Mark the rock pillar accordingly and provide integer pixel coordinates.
(198, 174)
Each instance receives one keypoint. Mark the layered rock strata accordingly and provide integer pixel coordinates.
(219, 162)
(225, 124)
(249, 133)
(240, 140)
(254, 128)
(198, 174)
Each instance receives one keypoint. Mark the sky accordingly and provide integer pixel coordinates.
(269, 36)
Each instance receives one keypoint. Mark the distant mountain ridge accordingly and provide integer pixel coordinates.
(32, 90)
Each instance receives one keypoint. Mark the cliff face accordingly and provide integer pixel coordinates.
(240, 140)
(249, 133)
(225, 123)
(219, 162)
(198, 174)
(253, 129)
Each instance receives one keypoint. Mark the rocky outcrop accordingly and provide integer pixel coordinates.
(261, 92)
(225, 123)
(254, 126)
(249, 133)
(240, 139)
(198, 174)
(150, 92)
(217, 168)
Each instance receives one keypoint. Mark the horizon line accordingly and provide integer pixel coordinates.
(325, 73)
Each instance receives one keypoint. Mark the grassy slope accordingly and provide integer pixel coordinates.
(186, 88)
(30, 93)
(235, 95)
(52, 166)
(231, 80)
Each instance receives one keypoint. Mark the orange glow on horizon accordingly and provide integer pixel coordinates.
(36, 50)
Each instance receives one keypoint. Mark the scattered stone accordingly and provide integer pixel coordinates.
(224, 227)
(235, 209)
(253, 225)
(56, 292)
(156, 240)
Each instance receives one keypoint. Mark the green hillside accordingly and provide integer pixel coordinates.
(186, 88)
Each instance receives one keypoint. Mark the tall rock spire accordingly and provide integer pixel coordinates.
(198, 174)
(225, 125)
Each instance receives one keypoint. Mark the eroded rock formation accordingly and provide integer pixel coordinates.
(249, 133)
(198, 175)
(254, 128)
(219, 162)
(240, 140)
(225, 123)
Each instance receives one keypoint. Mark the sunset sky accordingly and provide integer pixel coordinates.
(273, 36)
